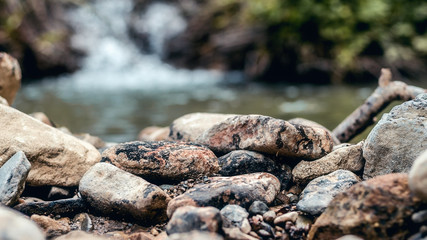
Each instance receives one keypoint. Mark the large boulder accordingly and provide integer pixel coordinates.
(241, 190)
(267, 135)
(190, 126)
(163, 161)
(56, 158)
(12, 178)
(379, 208)
(418, 176)
(112, 191)
(16, 226)
(10, 77)
(397, 139)
(347, 158)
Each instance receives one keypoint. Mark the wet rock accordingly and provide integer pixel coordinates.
(258, 207)
(397, 139)
(303, 121)
(347, 158)
(14, 225)
(59, 207)
(52, 228)
(189, 218)
(10, 77)
(154, 133)
(418, 176)
(199, 235)
(189, 127)
(290, 216)
(163, 161)
(319, 192)
(235, 216)
(12, 178)
(56, 158)
(111, 190)
(241, 190)
(242, 162)
(80, 235)
(267, 135)
(365, 210)
(236, 234)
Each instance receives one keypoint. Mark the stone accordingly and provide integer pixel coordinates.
(16, 226)
(303, 121)
(51, 227)
(10, 77)
(80, 235)
(418, 176)
(234, 216)
(154, 133)
(366, 208)
(289, 216)
(236, 234)
(83, 222)
(12, 178)
(241, 190)
(319, 192)
(349, 237)
(59, 207)
(189, 218)
(163, 161)
(258, 207)
(419, 217)
(397, 139)
(56, 158)
(3, 101)
(199, 235)
(57, 193)
(347, 158)
(269, 216)
(190, 126)
(93, 140)
(113, 191)
(242, 162)
(267, 135)
(42, 118)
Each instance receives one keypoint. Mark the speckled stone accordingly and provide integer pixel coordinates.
(189, 218)
(163, 161)
(113, 191)
(241, 190)
(234, 216)
(267, 135)
(365, 209)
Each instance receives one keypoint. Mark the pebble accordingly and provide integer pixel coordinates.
(418, 176)
(258, 207)
(189, 218)
(195, 234)
(269, 216)
(290, 216)
(51, 227)
(420, 217)
(234, 216)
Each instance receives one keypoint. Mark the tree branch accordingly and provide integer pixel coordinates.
(384, 94)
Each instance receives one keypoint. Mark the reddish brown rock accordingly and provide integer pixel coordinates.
(240, 190)
(267, 135)
(190, 126)
(379, 208)
(10, 77)
(51, 227)
(163, 161)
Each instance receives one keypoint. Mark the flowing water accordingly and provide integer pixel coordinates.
(120, 90)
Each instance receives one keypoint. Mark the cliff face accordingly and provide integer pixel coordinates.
(36, 33)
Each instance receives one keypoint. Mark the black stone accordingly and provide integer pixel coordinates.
(64, 207)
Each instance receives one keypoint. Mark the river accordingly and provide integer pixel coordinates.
(121, 90)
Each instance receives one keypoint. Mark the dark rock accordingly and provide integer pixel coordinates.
(16, 226)
(241, 190)
(366, 208)
(189, 218)
(319, 192)
(258, 207)
(12, 178)
(163, 161)
(113, 191)
(397, 139)
(267, 135)
(64, 207)
(56, 193)
(418, 176)
(420, 217)
(346, 158)
(51, 227)
(199, 235)
(234, 216)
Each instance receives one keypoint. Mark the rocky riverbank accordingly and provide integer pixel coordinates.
(213, 176)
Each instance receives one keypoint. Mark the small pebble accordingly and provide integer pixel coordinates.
(269, 216)
(419, 217)
(264, 233)
(290, 216)
(258, 207)
(154, 232)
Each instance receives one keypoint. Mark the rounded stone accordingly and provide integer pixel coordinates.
(418, 176)
(258, 207)
(233, 216)
(14, 225)
(189, 218)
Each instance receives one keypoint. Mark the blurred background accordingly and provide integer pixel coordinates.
(113, 67)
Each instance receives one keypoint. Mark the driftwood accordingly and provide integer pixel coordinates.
(364, 116)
